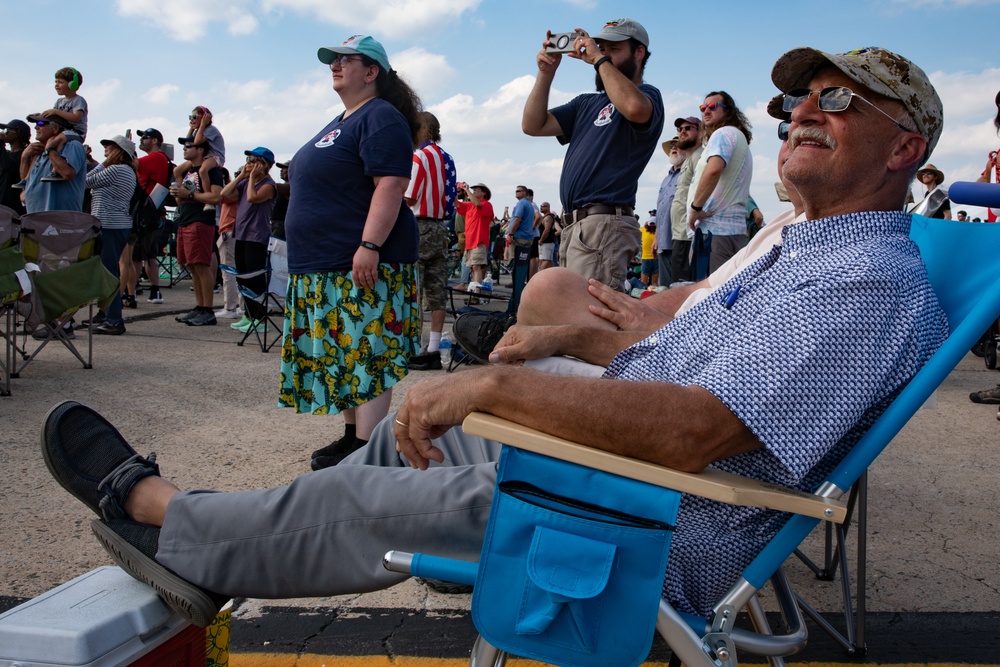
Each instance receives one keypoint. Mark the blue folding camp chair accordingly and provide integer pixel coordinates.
(559, 622)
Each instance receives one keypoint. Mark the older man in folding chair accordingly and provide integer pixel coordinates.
(775, 377)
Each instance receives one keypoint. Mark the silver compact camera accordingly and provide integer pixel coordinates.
(562, 42)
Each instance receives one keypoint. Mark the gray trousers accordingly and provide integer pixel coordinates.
(326, 532)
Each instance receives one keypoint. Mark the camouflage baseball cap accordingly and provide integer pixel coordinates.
(775, 108)
(881, 71)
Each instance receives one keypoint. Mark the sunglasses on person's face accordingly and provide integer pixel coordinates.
(342, 59)
(42, 123)
(686, 128)
(831, 99)
(712, 106)
(783, 128)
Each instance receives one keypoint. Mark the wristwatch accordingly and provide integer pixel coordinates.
(371, 246)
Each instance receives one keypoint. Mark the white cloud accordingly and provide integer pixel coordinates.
(188, 20)
(429, 74)
(162, 94)
(387, 18)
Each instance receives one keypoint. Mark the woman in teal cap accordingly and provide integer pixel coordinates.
(352, 318)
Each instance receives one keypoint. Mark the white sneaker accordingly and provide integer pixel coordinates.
(233, 314)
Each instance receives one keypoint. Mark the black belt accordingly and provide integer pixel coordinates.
(441, 220)
(595, 209)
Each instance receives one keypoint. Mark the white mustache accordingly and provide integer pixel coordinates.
(801, 134)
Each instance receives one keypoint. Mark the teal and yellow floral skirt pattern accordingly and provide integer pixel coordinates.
(343, 346)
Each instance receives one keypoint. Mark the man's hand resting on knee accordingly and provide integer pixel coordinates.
(630, 314)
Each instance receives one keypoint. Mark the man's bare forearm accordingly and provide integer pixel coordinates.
(595, 346)
(686, 428)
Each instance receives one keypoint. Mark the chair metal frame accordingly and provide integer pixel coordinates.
(969, 293)
(267, 301)
(519, 278)
(55, 325)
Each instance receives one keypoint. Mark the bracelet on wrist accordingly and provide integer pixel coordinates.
(696, 208)
(371, 246)
(601, 61)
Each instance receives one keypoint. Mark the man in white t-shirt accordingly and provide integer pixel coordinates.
(721, 184)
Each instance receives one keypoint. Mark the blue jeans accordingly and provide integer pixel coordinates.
(113, 242)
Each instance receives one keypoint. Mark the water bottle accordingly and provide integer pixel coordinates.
(487, 284)
(445, 349)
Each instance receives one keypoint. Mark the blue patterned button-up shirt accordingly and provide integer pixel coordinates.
(807, 346)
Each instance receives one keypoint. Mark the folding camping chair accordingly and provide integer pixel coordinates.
(260, 306)
(63, 245)
(969, 293)
(521, 263)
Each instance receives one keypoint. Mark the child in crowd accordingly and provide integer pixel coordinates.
(71, 106)
(201, 128)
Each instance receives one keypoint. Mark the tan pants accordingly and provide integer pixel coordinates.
(601, 246)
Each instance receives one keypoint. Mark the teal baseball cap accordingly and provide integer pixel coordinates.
(363, 45)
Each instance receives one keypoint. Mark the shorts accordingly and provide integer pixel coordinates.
(433, 263)
(650, 267)
(601, 247)
(194, 243)
(148, 247)
(524, 243)
(547, 252)
(533, 254)
(476, 256)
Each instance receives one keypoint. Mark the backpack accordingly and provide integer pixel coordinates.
(145, 216)
(170, 201)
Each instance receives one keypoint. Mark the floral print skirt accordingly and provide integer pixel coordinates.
(344, 345)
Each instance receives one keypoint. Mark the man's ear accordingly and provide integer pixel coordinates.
(908, 152)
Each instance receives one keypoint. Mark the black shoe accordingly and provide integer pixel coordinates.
(97, 319)
(154, 295)
(991, 396)
(90, 458)
(128, 301)
(336, 452)
(205, 318)
(479, 333)
(44, 333)
(428, 361)
(191, 314)
(108, 329)
(446, 587)
(133, 547)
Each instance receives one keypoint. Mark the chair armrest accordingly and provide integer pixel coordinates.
(712, 484)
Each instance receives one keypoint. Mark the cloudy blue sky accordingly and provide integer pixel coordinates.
(253, 62)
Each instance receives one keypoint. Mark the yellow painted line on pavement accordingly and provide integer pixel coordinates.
(313, 660)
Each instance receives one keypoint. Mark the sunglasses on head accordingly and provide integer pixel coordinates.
(712, 106)
(831, 99)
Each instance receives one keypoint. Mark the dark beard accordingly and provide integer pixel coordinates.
(687, 143)
(628, 69)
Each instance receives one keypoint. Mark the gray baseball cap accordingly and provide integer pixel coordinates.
(881, 71)
(619, 30)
